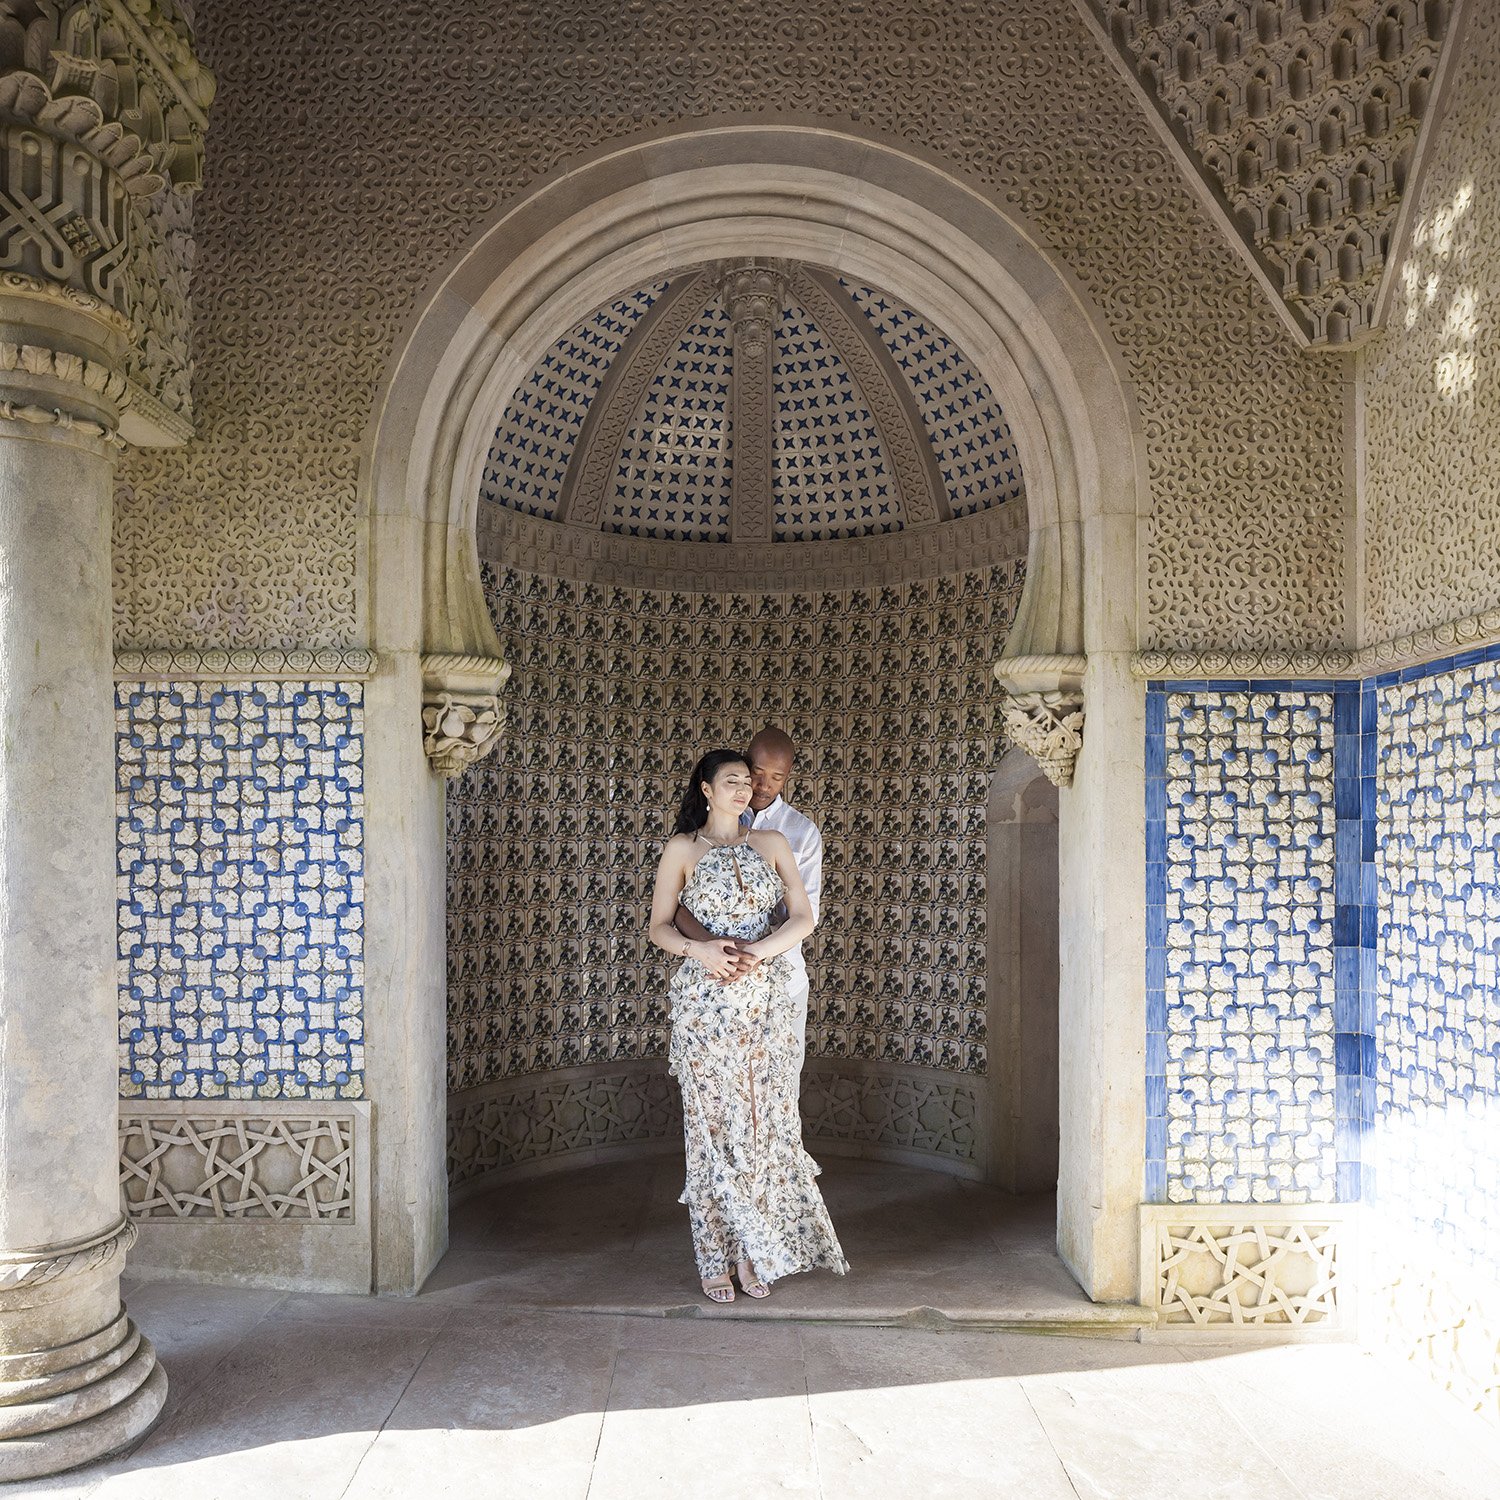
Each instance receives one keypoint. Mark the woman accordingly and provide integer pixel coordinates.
(750, 1194)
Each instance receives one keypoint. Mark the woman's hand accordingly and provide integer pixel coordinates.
(720, 956)
(746, 963)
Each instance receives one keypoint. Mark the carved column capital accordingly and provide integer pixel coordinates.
(462, 717)
(102, 119)
(1043, 711)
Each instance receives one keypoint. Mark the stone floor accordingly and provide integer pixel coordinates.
(496, 1383)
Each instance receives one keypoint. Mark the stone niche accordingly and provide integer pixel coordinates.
(749, 493)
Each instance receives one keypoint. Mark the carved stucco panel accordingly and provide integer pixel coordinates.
(1432, 474)
(312, 256)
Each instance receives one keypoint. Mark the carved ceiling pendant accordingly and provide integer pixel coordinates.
(1303, 119)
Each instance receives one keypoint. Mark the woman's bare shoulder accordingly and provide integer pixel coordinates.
(768, 840)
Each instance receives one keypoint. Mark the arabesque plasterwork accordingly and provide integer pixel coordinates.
(323, 282)
(1305, 124)
(1431, 386)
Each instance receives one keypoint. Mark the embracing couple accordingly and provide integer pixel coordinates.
(736, 894)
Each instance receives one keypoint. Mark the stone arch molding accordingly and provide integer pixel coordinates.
(816, 194)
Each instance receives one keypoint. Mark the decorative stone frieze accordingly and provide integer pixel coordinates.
(1164, 664)
(1304, 124)
(267, 663)
(1043, 711)
(997, 535)
(238, 1166)
(461, 714)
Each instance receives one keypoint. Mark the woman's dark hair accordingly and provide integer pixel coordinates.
(693, 813)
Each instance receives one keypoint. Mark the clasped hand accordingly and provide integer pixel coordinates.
(729, 960)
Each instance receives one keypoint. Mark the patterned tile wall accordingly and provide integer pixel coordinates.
(536, 435)
(970, 436)
(829, 472)
(1242, 1098)
(673, 475)
(240, 819)
(615, 692)
(1434, 744)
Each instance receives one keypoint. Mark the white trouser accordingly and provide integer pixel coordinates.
(798, 989)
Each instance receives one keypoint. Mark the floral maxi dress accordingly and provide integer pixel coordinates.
(750, 1192)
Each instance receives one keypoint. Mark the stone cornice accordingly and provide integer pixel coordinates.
(535, 546)
(227, 664)
(14, 284)
(1385, 656)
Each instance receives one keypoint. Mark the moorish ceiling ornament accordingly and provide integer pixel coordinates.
(747, 403)
(1043, 710)
(1302, 123)
(103, 110)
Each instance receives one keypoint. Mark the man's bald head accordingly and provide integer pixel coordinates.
(771, 755)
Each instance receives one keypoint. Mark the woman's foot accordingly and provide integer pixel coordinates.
(751, 1284)
(720, 1288)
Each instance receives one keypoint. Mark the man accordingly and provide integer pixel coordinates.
(771, 756)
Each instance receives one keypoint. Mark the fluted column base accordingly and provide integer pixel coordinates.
(70, 1398)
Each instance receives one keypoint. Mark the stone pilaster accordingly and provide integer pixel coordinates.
(87, 183)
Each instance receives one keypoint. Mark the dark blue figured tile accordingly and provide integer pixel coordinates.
(241, 935)
(1249, 980)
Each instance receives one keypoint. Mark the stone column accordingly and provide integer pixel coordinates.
(76, 1378)
(95, 258)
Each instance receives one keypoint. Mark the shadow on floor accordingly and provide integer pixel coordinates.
(463, 1392)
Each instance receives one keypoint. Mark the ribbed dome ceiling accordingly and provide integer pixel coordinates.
(752, 401)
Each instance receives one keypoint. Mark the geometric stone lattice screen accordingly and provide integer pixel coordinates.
(238, 1166)
(531, 1121)
(933, 1115)
(1217, 1267)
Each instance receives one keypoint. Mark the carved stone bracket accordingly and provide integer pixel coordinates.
(1043, 710)
(461, 713)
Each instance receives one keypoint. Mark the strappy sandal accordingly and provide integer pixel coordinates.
(719, 1288)
(756, 1288)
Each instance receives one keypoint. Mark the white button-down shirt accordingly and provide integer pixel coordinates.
(807, 848)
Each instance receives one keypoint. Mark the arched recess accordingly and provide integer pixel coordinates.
(871, 209)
